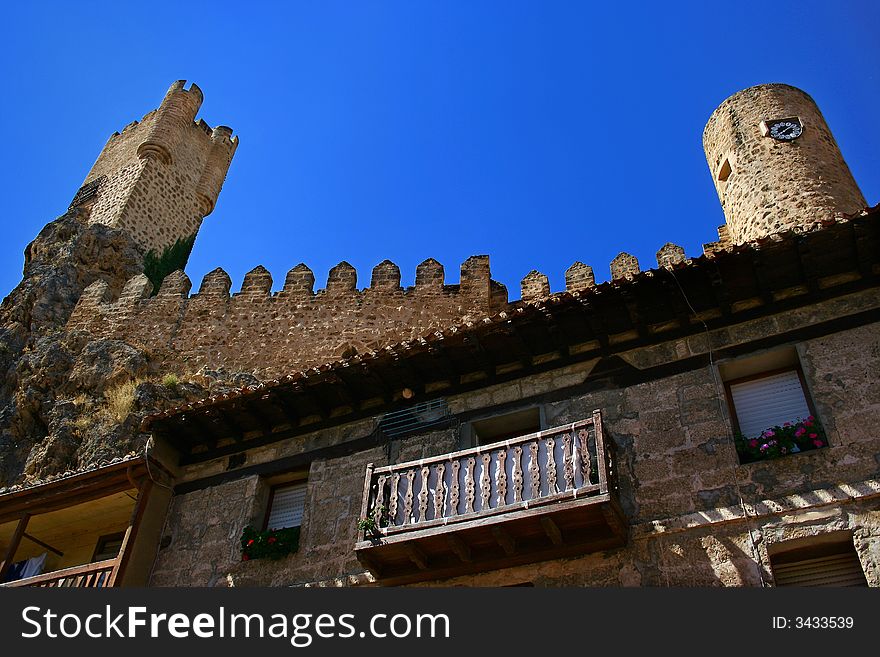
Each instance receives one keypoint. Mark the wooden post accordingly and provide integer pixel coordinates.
(131, 532)
(365, 505)
(601, 456)
(13, 545)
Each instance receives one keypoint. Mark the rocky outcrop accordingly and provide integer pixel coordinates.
(66, 399)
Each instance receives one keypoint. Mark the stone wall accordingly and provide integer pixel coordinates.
(271, 335)
(680, 482)
(161, 176)
(773, 186)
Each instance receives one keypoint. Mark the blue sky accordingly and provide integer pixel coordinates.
(539, 133)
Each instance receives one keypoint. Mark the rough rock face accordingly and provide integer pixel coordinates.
(67, 401)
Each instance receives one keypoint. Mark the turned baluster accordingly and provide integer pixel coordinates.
(440, 494)
(551, 467)
(454, 493)
(517, 474)
(392, 500)
(586, 461)
(469, 486)
(534, 471)
(501, 477)
(408, 498)
(567, 463)
(485, 481)
(380, 500)
(423, 494)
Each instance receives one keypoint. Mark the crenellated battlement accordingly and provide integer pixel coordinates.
(579, 277)
(162, 175)
(256, 330)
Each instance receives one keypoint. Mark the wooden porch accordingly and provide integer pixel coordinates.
(85, 524)
(541, 496)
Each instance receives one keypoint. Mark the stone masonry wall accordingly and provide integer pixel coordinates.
(773, 185)
(680, 483)
(273, 335)
(162, 175)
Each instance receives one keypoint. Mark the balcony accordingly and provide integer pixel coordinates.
(94, 529)
(541, 496)
(100, 574)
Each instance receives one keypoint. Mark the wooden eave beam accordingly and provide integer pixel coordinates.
(765, 289)
(447, 365)
(278, 403)
(461, 549)
(228, 423)
(505, 540)
(203, 428)
(552, 530)
(415, 555)
(865, 246)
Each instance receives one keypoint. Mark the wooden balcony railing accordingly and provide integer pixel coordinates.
(91, 575)
(534, 480)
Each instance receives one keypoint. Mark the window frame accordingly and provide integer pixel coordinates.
(274, 488)
(468, 437)
(100, 545)
(734, 417)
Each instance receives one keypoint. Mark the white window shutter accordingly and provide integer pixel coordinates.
(769, 401)
(288, 505)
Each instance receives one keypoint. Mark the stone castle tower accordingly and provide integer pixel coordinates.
(161, 176)
(775, 164)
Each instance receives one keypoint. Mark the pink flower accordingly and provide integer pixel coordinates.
(818, 443)
(811, 418)
(800, 432)
(753, 443)
(813, 435)
(769, 433)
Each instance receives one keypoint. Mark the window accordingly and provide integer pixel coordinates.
(108, 546)
(492, 429)
(829, 560)
(724, 170)
(770, 406)
(286, 505)
(768, 400)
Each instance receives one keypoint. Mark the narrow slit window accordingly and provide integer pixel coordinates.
(724, 170)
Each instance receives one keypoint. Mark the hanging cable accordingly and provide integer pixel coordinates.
(718, 396)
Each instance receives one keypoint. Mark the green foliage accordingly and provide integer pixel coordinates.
(368, 525)
(170, 381)
(271, 543)
(172, 258)
(790, 438)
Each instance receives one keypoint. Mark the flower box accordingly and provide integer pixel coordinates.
(790, 438)
(270, 543)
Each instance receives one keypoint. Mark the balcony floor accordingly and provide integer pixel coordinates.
(526, 535)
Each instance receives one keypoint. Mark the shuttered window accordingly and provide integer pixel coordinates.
(830, 565)
(288, 504)
(769, 401)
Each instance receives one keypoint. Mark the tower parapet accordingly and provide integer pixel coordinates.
(775, 164)
(161, 176)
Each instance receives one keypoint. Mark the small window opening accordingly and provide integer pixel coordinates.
(829, 560)
(724, 171)
(502, 427)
